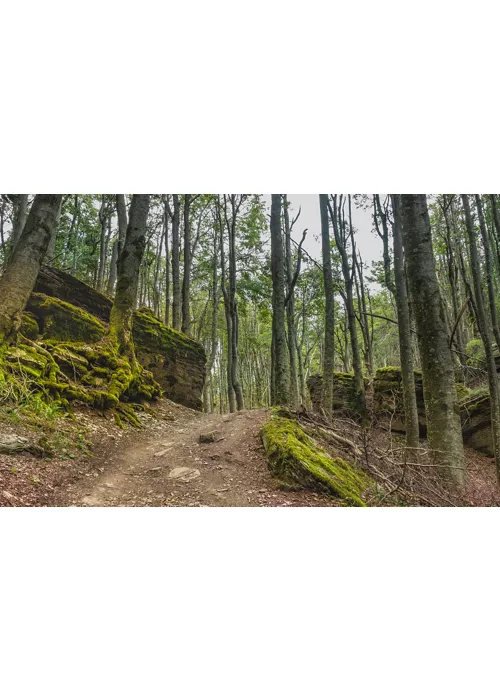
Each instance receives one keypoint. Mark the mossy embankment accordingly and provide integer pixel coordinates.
(64, 354)
(297, 461)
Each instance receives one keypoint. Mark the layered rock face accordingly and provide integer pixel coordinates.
(63, 309)
(387, 396)
(175, 361)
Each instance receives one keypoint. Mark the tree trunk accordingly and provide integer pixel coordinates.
(234, 307)
(20, 202)
(103, 219)
(280, 355)
(231, 396)
(403, 312)
(381, 213)
(129, 264)
(112, 270)
(176, 264)
(167, 262)
(340, 233)
(454, 283)
(214, 329)
(18, 280)
(51, 248)
(329, 354)
(440, 394)
(489, 270)
(186, 280)
(485, 332)
(156, 281)
(121, 211)
(290, 311)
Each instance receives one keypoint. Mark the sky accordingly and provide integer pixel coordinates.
(369, 243)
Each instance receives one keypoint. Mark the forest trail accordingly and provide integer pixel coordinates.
(167, 465)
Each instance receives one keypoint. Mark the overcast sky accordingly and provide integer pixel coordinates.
(369, 243)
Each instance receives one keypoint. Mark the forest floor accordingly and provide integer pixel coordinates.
(92, 462)
(164, 464)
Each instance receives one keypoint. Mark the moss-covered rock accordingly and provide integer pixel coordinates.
(29, 326)
(297, 460)
(22, 360)
(388, 405)
(475, 414)
(344, 392)
(59, 320)
(176, 362)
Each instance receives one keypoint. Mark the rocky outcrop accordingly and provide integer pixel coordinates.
(344, 392)
(476, 423)
(63, 286)
(58, 320)
(388, 399)
(388, 408)
(175, 361)
(65, 311)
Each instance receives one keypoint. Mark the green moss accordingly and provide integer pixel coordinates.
(476, 403)
(24, 357)
(29, 326)
(476, 356)
(76, 361)
(296, 459)
(62, 321)
(343, 376)
(462, 391)
(152, 335)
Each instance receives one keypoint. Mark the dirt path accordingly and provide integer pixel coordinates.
(167, 465)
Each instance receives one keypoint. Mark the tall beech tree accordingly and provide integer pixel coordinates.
(329, 353)
(281, 374)
(166, 220)
(404, 330)
(228, 209)
(129, 265)
(344, 236)
(19, 278)
(186, 279)
(176, 264)
(440, 394)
